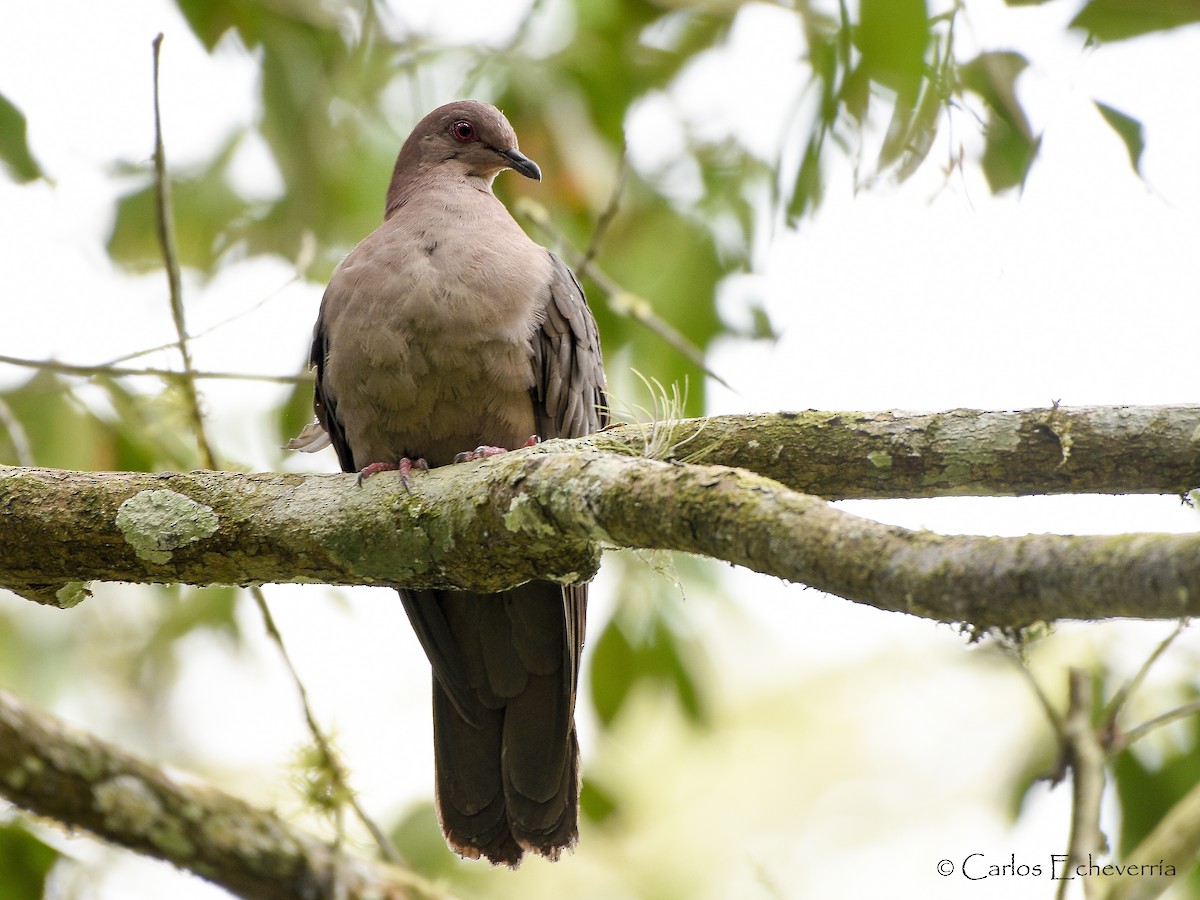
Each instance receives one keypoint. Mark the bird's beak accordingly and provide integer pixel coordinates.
(519, 162)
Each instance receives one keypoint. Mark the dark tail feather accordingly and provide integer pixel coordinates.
(506, 755)
(541, 767)
(470, 792)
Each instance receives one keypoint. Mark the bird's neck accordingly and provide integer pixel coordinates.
(444, 180)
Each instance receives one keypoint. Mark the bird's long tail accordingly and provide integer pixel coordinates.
(505, 749)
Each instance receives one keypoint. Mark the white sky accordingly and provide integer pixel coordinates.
(1084, 289)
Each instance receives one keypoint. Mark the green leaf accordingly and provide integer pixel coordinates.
(1010, 145)
(669, 660)
(61, 433)
(809, 187)
(596, 803)
(656, 655)
(418, 838)
(613, 675)
(1129, 130)
(1147, 791)
(921, 133)
(14, 147)
(893, 36)
(25, 862)
(210, 19)
(1118, 20)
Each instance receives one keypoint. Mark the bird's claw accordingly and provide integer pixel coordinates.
(481, 452)
(484, 451)
(404, 467)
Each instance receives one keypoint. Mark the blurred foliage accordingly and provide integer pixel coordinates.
(1010, 143)
(113, 429)
(645, 646)
(14, 149)
(340, 81)
(25, 862)
(1129, 130)
(1119, 20)
(1149, 784)
(1149, 777)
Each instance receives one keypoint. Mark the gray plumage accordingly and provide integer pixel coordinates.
(445, 329)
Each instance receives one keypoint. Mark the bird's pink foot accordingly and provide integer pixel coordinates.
(404, 467)
(486, 450)
(375, 469)
(481, 452)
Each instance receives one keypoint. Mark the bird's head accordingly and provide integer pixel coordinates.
(465, 137)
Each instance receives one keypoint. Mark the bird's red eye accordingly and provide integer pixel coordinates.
(463, 131)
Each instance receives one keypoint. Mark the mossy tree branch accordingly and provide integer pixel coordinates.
(547, 512)
(956, 453)
(83, 782)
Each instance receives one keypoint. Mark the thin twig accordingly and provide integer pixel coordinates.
(609, 212)
(112, 371)
(240, 314)
(1056, 721)
(1117, 704)
(166, 238)
(1182, 712)
(328, 754)
(1087, 759)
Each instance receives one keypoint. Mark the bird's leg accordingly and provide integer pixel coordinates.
(486, 450)
(404, 467)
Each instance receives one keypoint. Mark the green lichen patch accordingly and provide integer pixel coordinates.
(155, 523)
(19, 776)
(879, 459)
(71, 594)
(524, 514)
(128, 804)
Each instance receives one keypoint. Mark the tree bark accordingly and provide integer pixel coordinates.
(957, 453)
(548, 511)
(84, 782)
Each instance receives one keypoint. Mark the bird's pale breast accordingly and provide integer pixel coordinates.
(429, 335)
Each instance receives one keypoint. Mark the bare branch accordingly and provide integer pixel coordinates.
(115, 371)
(1133, 735)
(1086, 758)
